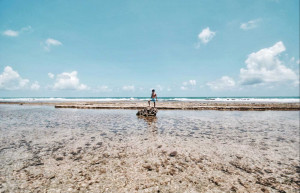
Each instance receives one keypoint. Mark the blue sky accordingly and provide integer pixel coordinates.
(126, 48)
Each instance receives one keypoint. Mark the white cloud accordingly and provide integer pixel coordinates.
(50, 43)
(250, 24)
(221, 84)
(11, 80)
(205, 36)
(192, 82)
(68, 81)
(104, 88)
(128, 88)
(35, 86)
(298, 61)
(11, 33)
(265, 67)
(262, 68)
(15, 33)
(188, 85)
(183, 88)
(51, 75)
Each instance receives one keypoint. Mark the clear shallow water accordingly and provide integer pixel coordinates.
(108, 99)
(217, 124)
(217, 150)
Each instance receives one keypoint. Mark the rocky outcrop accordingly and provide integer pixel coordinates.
(147, 111)
(173, 105)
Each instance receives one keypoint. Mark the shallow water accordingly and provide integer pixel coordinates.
(36, 139)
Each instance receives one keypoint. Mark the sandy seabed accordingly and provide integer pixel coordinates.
(43, 149)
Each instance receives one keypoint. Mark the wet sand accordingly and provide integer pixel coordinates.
(173, 105)
(83, 150)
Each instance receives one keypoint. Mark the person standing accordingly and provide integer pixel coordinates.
(153, 97)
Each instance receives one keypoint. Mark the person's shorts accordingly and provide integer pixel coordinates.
(152, 99)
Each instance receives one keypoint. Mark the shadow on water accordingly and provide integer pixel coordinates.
(151, 123)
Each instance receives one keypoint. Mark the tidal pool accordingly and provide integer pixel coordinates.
(48, 149)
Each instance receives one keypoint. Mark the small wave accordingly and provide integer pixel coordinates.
(285, 100)
(183, 99)
(63, 99)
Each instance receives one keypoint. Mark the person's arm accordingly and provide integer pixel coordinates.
(156, 97)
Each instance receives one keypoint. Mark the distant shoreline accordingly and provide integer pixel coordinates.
(172, 105)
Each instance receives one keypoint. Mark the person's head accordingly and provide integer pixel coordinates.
(153, 90)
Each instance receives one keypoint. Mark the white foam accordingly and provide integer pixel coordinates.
(279, 100)
(111, 99)
(63, 99)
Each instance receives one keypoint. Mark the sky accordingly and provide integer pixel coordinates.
(199, 48)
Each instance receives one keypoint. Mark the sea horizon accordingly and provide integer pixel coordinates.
(169, 98)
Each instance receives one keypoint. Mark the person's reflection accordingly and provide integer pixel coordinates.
(152, 124)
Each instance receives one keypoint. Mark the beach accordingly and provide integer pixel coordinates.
(48, 149)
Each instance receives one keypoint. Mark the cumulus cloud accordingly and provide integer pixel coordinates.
(104, 88)
(35, 86)
(183, 88)
(192, 82)
(68, 81)
(50, 75)
(50, 43)
(250, 24)
(11, 33)
(264, 67)
(15, 33)
(205, 36)
(11, 80)
(128, 88)
(188, 84)
(221, 84)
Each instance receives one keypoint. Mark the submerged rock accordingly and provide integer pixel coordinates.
(59, 158)
(147, 111)
(173, 154)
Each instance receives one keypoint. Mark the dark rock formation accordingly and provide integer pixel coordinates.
(147, 111)
(173, 154)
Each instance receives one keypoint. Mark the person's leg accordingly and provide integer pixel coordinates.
(149, 103)
(154, 104)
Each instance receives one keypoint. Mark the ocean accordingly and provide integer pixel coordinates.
(191, 99)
